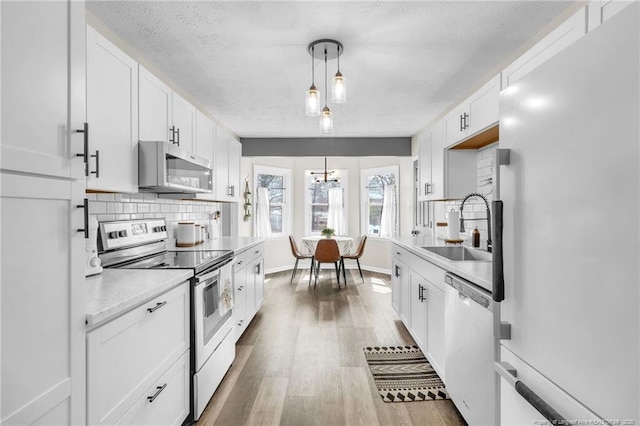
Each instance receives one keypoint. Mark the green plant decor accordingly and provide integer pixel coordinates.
(328, 232)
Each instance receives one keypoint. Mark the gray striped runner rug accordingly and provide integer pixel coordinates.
(403, 374)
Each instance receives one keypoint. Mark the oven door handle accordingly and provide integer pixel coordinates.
(211, 276)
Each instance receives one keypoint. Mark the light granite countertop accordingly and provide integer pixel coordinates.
(237, 244)
(116, 291)
(479, 273)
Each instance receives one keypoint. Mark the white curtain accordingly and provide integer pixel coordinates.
(263, 224)
(335, 217)
(388, 220)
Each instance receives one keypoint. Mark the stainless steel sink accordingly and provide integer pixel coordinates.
(460, 253)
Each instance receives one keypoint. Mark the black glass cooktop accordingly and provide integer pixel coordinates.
(197, 260)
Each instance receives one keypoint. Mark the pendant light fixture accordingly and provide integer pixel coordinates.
(326, 119)
(313, 95)
(338, 85)
(325, 49)
(325, 175)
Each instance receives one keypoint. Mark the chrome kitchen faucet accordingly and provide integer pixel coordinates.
(475, 194)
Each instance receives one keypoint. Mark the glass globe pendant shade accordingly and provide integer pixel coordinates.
(313, 102)
(338, 89)
(326, 122)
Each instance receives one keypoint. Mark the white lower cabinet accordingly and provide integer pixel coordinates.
(166, 402)
(133, 357)
(211, 374)
(248, 283)
(418, 310)
(417, 295)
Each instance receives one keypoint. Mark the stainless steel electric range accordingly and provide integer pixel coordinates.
(142, 244)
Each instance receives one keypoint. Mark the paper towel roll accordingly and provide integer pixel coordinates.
(453, 225)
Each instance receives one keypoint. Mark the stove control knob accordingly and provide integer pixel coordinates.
(94, 262)
(122, 233)
(112, 235)
(164, 228)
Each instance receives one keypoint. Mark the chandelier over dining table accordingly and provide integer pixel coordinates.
(325, 50)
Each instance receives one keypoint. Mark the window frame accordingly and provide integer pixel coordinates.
(343, 174)
(286, 197)
(365, 174)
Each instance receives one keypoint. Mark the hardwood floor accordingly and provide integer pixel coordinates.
(300, 361)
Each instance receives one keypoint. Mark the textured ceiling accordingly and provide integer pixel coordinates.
(247, 62)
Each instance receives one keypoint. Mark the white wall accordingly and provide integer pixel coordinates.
(377, 251)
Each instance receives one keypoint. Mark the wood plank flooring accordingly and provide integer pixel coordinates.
(300, 361)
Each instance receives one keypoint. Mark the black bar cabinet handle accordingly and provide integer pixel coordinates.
(158, 306)
(85, 206)
(466, 123)
(497, 253)
(155, 395)
(97, 157)
(177, 136)
(85, 153)
(172, 137)
(397, 271)
(461, 125)
(539, 404)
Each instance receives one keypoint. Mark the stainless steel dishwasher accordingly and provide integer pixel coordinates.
(469, 350)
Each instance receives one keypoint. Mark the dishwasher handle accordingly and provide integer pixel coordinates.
(468, 289)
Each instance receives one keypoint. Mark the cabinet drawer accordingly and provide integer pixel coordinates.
(400, 253)
(166, 402)
(239, 318)
(127, 355)
(255, 251)
(207, 380)
(432, 273)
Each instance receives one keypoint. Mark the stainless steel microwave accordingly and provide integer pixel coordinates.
(166, 168)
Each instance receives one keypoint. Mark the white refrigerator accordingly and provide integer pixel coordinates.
(571, 234)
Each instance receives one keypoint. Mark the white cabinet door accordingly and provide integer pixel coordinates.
(483, 106)
(418, 310)
(602, 10)
(221, 167)
(424, 162)
(437, 161)
(43, 307)
(205, 136)
(258, 271)
(235, 154)
(396, 285)
(454, 125)
(560, 38)
(435, 328)
(42, 80)
(184, 120)
(112, 113)
(154, 107)
(405, 292)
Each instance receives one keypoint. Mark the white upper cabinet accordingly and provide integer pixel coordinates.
(205, 136)
(564, 35)
(476, 113)
(112, 113)
(431, 160)
(602, 10)
(43, 79)
(228, 152)
(163, 114)
(184, 121)
(154, 107)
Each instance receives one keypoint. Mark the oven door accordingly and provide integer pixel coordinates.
(212, 314)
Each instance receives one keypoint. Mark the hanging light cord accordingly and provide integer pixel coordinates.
(325, 76)
(338, 58)
(313, 68)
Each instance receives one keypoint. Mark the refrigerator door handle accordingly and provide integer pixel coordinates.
(510, 375)
(497, 253)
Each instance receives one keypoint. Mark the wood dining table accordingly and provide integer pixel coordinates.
(345, 244)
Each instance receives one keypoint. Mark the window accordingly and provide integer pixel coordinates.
(380, 201)
(317, 201)
(276, 180)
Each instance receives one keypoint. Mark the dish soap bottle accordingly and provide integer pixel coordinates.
(476, 238)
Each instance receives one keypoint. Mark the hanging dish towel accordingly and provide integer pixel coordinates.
(226, 296)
